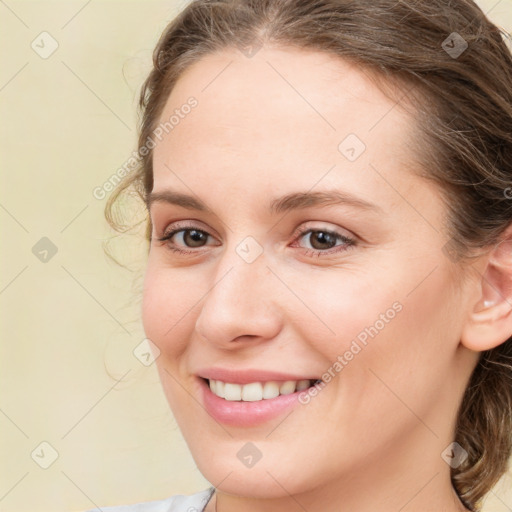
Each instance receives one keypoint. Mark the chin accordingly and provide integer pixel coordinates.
(251, 482)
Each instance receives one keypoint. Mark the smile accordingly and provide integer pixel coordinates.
(256, 391)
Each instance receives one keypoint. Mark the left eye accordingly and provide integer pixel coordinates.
(323, 240)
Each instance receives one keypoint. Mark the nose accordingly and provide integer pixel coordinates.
(239, 303)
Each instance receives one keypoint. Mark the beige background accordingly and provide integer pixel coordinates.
(69, 325)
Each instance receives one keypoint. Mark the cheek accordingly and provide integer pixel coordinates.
(406, 360)
(154, 312)
(167, 306)
(338, 309)
(396, 327)
(168, 316)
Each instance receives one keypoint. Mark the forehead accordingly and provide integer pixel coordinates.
(277, 114)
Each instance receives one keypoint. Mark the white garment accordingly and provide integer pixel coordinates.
(178, 503)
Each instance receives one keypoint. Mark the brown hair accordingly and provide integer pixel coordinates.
(464, 118)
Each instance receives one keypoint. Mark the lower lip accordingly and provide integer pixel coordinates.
(246, 414)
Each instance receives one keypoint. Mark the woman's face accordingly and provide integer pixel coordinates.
(354, 289)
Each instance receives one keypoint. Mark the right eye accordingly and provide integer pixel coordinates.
(181, 239)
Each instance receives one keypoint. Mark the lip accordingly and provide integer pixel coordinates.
(246, 414)
(250, 375)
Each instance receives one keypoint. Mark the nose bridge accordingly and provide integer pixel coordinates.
(239, 300)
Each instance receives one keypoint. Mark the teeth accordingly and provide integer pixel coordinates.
(256, 391)
(303, 384)
(232, 391)
(270, 390)
(287, 387)
(219, 388)
(251, 392)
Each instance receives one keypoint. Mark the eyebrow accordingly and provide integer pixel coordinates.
(293, 201)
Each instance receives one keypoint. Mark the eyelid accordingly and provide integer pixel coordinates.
(185, 224)
(305, 228)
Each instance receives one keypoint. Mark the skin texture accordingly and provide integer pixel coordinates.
(372, 439)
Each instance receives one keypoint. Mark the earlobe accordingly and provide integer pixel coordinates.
(490, 321)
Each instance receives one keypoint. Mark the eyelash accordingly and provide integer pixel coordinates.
(347, 241)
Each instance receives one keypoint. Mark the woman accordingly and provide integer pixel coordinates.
(329, 279)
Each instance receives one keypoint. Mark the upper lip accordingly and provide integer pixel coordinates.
(248, 376)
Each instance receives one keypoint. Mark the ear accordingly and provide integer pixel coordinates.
(490, 321)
